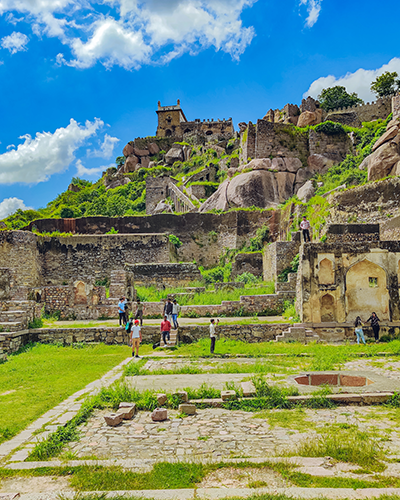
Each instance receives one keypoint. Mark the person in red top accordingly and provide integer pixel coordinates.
(305, 227)
(165, 329)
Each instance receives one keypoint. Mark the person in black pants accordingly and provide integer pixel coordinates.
(375, 325)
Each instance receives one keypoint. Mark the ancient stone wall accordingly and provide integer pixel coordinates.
(335, 147)
(248, 143)
(248, 263)
(396, 107)
(277, 257)
(368, 112)
(157, 189)
(91, 257)
(19, 254)
(162, 275)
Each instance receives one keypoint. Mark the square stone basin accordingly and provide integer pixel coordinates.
(334, 379)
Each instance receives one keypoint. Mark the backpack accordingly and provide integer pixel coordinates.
(128, 327)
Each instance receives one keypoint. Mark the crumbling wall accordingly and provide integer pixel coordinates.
(248, 263)
(277, 257)
(162, 275)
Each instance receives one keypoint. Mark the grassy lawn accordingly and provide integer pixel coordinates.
(36, 380)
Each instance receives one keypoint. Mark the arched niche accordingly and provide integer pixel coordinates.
(326, 274)
(168, 133)
(366, 291)
(80, 293)
(328, 309)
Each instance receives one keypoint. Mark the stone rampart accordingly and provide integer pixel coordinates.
(396, 107)
(277, 257)
(335, 147)
(248, 263)
(162, 275)
(367, 112)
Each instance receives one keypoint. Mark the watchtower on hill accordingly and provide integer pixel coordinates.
(170, 120)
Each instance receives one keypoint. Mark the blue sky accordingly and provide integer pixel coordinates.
(79, 78)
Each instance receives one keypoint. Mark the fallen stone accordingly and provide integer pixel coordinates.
(128, 150)
(228, 395)
(159, 414)
(127, 413)
(182, 396)
(174, 154)
(187, 408)
(248, 389)
(161, 399)
(113, 419)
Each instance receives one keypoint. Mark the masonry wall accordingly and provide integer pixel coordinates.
(157, 189)
(277, 256)
(368, 112)
(91, 257)
(248, 263)
(248, 143)
(193, 229)
(162, 275)
(396, 107)
(335, 147)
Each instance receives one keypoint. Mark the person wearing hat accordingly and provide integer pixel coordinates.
(136, 338)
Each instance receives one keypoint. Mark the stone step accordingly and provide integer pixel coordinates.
(12, 326)
(11, 315)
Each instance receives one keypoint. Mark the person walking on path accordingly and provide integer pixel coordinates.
(121, 311)
(136, 338)
(168, 309)
(358, 330)
(213, 336)
(165, 329)
(375, 325)
(139, 311)
(305, 227)
(176, 309)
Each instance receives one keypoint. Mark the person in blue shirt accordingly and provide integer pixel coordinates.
(121, 311)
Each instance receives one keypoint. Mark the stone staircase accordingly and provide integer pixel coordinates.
(297, 334)
(173, 339)
(15, 315)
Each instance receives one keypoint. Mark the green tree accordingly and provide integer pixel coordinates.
(386, 84)
(337, 97)
(67, 213)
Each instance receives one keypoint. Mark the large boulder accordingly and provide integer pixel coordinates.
(293, 164)
(161, 207)
(131, 164)
(174, 154)
(141, 152)
(259, 188)
(310, 118)
(319, 163)
(306, 192)
(153, 148)
(257, 164)
(396, 169)
(387, 136)
(128, 150)
(382, 161)
(145, 161)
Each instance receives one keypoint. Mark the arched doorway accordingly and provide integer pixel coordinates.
(80, 293)
(366, 291)
(326, 275)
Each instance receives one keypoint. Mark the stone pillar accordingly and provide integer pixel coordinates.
(396, 106)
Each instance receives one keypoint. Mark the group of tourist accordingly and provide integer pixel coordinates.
(358, 331)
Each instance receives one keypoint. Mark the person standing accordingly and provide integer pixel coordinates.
(136, 339)
(358, 330)
(213, 336)
(176, 309)
(165, 329)
(139, 311)
(168, 309)
(121, 311)
(305, 227)
(375, 325)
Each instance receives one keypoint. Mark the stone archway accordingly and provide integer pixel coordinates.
(366, 291)
(328, 310)
(168, 133)
(326, 275)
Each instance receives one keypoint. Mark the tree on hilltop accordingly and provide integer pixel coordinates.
(337, 97)
(386, 84)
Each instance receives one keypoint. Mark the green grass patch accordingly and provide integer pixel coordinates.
(42, 376)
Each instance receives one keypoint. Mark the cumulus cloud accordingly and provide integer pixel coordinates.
(10, 205)
(82, 171)
(359, 81)
(134, 32)
(15, 42)
(313, 9)
(106, 148)
(35, 160)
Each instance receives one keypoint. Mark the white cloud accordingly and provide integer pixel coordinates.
(82, 171)
(10, 205)
(313, 9)
(359, 81)
(136, 32)
(35, 160)
(15, 42)
(106, 148)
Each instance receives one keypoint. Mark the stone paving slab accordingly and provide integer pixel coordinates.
(225, 493)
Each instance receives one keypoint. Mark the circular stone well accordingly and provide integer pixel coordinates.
(333, 379)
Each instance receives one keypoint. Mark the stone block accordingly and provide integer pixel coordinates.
(228, 395)
(159, 414)
(161, 399)
(187, 408)
(127, 409)
(248, 389)
(374, 398)
(141, 152)
(113, 419)
(182, 395)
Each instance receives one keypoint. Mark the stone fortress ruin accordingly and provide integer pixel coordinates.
(356, 269)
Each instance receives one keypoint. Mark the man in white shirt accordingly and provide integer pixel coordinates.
(305, 227)
(212, 334)
(136, 338)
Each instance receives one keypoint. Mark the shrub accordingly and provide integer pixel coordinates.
(113, 231)
(35, 323)
(330, 128)
(257, 242)
(247, 278)
(175, 241)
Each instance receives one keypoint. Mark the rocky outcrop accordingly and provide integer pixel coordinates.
(310, 118)
(162, 207)
(131, 164)
(306, 192)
